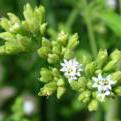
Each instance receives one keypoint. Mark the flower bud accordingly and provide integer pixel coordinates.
(63, 37)
(60, 82)
(8, 49)
(117, 90)
(5, 24)
(53, 58)
(73, 42)
(68, 54)
(56, 49)
(116, 55)
(55, 72)
(60, 92)
(46, 75)
(110, 66)
(89, 84)
(13, 18)
(75, 85)
(39, 14)
(7, 36)
(43, 52)
(46, 43)
(84, 96)
(90, 68)
(116, 76)
(43, 28)
(48, 89)
(101, 58)
(93, 105)
(82, 82)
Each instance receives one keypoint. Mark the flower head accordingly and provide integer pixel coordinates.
(72, 69)
(103, 85)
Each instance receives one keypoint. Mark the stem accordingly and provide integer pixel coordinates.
(111, 113)
(91, 35)
(71, 19)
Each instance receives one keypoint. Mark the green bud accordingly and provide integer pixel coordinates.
(56, 49)
(68, 54)
(90, 68)
(73, 41)
(60, 92)
(43, 28)
(7, 36)
(60, 82)
(94, 94)
(55, 72)
(102, 58)
(43, 52)
(13, 18)
(24, 42)
(116, 76)
(46, 43)
(46, 75)
(75, 85)
(116, 55)
(82, 82)
(48, 89)
(62, 37)
(5, 24)
(110, 66)
(117, 90)
(39, 14)
(29, 15)
(15, 28)
(8, 49)
(84, 96)
(93, 105)
(53, 58)
(89, 84)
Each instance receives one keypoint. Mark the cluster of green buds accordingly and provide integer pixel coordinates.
(53, 52)
(95, 80)
(23, 35)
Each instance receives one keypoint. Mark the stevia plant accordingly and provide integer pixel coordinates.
(23, 35)
(94, 79)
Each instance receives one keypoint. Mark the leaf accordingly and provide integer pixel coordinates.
(113, 21)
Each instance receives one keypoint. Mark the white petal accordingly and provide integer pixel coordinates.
(107, 93)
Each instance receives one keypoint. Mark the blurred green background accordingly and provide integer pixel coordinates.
(19, 83)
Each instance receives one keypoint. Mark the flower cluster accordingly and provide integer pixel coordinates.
(54, 51)
(23, 35)
(94, 80)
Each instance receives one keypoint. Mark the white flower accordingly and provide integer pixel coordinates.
(72, 69)
(28, 107)
(103, 85)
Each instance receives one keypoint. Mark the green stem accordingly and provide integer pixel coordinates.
(71, 19)
(111, 113)
(91, 35)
